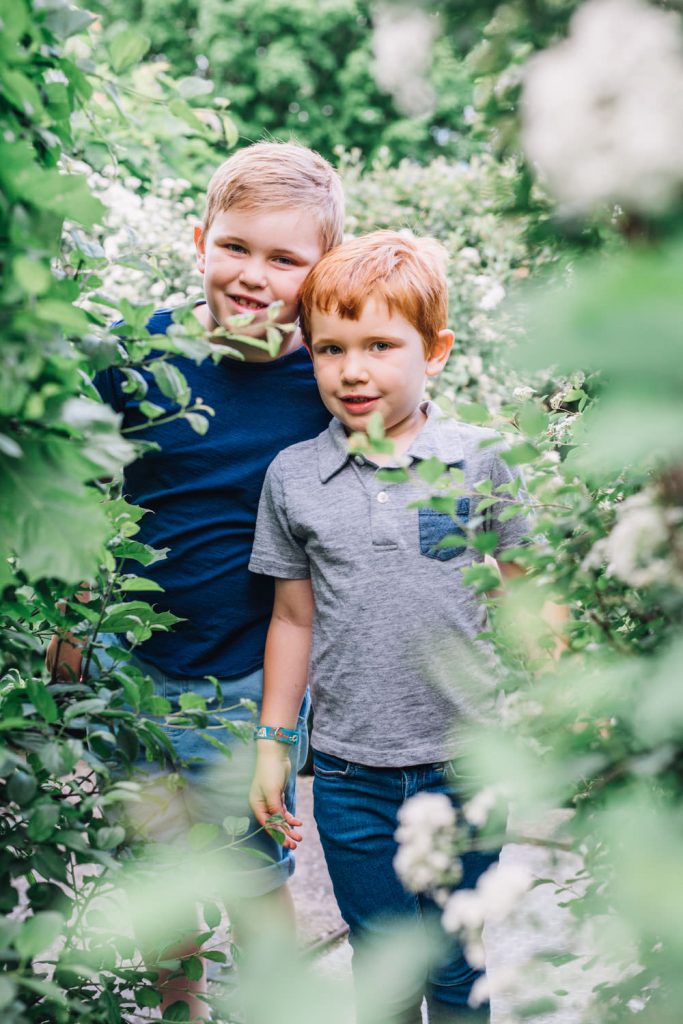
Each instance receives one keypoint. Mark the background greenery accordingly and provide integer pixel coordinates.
(568, 328)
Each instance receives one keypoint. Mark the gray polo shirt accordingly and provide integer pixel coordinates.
(395, 663)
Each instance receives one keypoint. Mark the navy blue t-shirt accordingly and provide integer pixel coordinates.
(203, 493)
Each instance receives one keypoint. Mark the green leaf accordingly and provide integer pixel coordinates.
(481, 577)
(147, 997)
(180, 109)
(188, 701)
(49, 863)
(22, 787)
(212, 914)
(178, 1011)
(127, 48)
(202, 835)
(32, 276)
(139, 583)
(199, 424)
(392, 476)
(216, 955)
(42, 700)
(431, 469)
(8, 991)
(151, 410)
(235, 826)
(43, 821)
(192, 968)
(473, 412)
(170, 381)
(520, 454)
(54, 524)
(38, 933)
(109, 836)
(486, 542)
(532, 419)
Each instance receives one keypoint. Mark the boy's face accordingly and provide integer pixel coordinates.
(375, 364)
(252, 258)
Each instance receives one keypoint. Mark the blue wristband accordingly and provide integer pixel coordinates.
(277, 733)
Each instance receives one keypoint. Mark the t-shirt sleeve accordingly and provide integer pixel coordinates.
(511, 517)
(277, 551)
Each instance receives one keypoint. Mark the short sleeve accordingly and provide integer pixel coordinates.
(511, 517)
(277, 551)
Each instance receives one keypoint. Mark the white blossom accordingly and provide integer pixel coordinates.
(637, 550)
(496, 894)
(491, 291)
(603, 110)
(402, 43)
(478, 809)
(468, 254)
(523, 394)
(425, 860)
(55, 76)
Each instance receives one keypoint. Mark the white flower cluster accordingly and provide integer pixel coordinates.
(497, 893)
(402, 43)
(425, 861)
(603, 110)
(478, 809)
(152, 234)
(638, 549)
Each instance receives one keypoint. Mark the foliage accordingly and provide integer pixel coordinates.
(66, 746)
(303, 69)
(600, 735)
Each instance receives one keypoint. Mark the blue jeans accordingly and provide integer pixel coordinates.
(356, 809)
(202, 784)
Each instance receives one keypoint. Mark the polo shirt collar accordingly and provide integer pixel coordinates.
(439, 438)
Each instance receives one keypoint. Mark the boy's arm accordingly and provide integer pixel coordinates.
(285, 676)
(554, 615)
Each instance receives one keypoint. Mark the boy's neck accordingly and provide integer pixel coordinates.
(250, 353)
(401, 440)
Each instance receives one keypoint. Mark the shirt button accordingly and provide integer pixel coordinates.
(359, 460)
(382, 497)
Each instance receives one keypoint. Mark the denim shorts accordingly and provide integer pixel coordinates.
(204, 785)
(356, 808)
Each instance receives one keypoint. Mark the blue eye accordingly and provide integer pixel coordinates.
(285, 260)
(234, 247)
(381, 346)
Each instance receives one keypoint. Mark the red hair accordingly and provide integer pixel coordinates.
(407, 273)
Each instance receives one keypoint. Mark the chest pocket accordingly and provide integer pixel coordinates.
(435, 526)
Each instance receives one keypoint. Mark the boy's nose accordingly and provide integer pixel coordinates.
(354, 370)
(252, 275)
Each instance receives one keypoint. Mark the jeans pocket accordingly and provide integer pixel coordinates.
(325, 766)
(437, 526)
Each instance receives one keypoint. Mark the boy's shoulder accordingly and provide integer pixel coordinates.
(302, 456)
(452, 440)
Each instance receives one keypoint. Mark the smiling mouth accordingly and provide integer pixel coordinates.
(358, 403)
(244, 302)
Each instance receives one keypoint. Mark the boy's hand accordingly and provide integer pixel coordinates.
(267, 788)
(63, 657)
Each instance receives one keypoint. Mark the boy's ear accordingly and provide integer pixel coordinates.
(440, 352)
(200, 246)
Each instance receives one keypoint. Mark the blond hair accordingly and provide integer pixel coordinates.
(408, 274)
(277, 176)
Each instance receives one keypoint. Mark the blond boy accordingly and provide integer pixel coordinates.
(272, 210)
